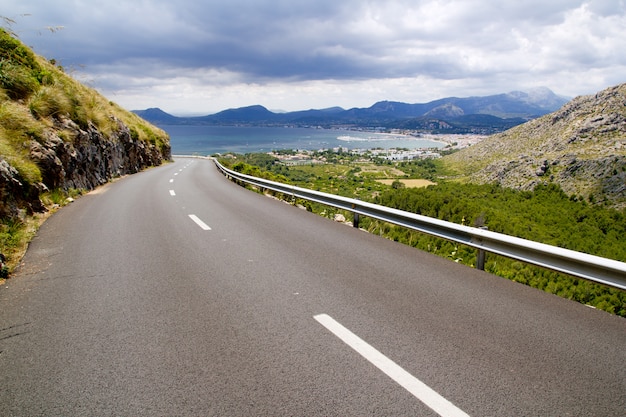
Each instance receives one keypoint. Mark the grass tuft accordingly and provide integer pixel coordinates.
(49, 101)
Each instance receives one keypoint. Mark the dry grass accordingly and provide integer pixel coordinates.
(409, 183)
(17, 129)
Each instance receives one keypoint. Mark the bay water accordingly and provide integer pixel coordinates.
(209, 140)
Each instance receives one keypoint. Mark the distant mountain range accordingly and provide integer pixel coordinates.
(484, 115)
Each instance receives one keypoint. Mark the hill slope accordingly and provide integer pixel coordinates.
(581, 147)
(56, 133)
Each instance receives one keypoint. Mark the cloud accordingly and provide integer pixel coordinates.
(188, 55)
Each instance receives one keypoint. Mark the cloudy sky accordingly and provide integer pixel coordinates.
(203, 56)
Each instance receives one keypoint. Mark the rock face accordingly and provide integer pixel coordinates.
(581, 147)
(14, 194)
(92, 159)
(84, 162)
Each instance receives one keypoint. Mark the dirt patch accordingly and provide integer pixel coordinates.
(410, 183)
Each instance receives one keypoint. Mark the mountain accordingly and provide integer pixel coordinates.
(449, 115)
(157, 116)
(250, 114)
(581, 147)
(511, 105)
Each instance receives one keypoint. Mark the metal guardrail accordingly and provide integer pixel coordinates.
(590, 267)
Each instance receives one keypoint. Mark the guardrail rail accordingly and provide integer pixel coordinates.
(590, 267)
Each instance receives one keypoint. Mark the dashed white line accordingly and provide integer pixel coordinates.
(171, 181)
(421, 391)
(172, 193)
(199, 222)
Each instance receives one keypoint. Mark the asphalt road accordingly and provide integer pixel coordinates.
(174, 292)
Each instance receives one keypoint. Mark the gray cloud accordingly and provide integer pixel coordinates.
(459, 47)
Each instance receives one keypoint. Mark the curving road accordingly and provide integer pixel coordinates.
(174, 292)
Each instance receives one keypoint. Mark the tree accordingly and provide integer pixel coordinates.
(397, 184)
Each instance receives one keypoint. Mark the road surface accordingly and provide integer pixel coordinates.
(174, 292)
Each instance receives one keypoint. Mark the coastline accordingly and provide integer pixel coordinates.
(456, 141)
(453, 140)
(208, 140)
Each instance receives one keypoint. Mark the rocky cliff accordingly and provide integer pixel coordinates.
(90, 159)
(581, 147)
(56, 133)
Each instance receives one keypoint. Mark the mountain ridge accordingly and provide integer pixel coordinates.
(438, 116)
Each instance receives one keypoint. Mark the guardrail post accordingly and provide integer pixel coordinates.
(355, 219)
(480, 260)
(480, 257)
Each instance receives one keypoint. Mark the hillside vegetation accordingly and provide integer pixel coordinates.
(581, 148)
(59, 138)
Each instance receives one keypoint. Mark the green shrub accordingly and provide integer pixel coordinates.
(55, 196)
(17, 82)
(13, 50)
(15, 234)
(19, 70)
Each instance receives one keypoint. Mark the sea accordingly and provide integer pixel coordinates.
(209, 140)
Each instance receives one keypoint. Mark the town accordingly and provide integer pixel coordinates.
(452, 143)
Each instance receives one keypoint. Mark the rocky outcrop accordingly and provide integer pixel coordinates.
(86, 160)
(16, 194)
(581, 147)
(92, 159)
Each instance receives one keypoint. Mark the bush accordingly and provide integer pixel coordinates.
(16, 81)
(19, 70)
(14, 51)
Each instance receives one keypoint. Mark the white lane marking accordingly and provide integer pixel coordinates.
(172, 193)
(171, 181)
(416, 387)
(176, 173)
(199, 222)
